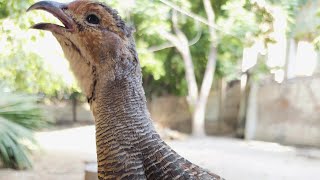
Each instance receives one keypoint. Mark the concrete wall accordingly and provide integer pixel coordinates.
(172, 112)
(223, 121)
(61, 113)
(287, 113)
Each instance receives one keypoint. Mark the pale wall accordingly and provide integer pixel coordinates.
(62, 112)
(173, 112)
(287, 113)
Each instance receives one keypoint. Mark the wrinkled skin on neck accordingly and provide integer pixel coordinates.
(104, 60)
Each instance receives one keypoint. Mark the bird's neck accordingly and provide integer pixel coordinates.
(123, 127)
(127, 144)
(121, 105)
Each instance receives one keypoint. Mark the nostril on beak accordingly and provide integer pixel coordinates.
(64, 7)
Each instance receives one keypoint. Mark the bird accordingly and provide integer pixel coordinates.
(101, 51)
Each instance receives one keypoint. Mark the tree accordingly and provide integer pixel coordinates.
(243, 30)
(197, 100)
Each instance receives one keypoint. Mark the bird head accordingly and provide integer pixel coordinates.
(95, 40)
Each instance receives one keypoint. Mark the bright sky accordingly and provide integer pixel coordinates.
(48, 48)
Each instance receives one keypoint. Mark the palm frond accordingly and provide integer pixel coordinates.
(16, 143)
(19, 115)
(23, 110)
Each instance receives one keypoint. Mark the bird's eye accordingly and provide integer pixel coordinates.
(93, 19)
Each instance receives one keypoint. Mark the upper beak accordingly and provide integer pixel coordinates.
(56, 9)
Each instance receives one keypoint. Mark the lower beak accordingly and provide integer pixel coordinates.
(56, 9)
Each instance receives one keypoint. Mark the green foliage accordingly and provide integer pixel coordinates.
(243, 23)
(13, 7)
(239, 25)
(26, 72)
(316, 40)
(291, 6)
(292, 9)
(230, 55)
(19, 114)
(22, 110)
(22, 69)
(15, 146)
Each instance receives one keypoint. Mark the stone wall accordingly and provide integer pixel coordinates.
(287, 113)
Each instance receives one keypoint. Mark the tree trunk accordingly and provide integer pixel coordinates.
(180, 41)
(221, 97)
(290, 58)
(198, 127)
(198, 122)
(196, 101)
(191, 80)
(74, 109)
(243, 105)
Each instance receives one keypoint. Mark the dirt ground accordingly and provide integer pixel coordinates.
(65, 152)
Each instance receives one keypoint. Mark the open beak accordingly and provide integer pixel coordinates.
(56, 9)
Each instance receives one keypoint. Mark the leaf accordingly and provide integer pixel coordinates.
(19, 115)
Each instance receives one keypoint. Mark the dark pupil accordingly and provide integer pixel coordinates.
(93, 19)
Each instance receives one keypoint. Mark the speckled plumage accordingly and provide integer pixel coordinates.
(105, 62)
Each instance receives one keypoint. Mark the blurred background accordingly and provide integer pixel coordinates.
(231, 84)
